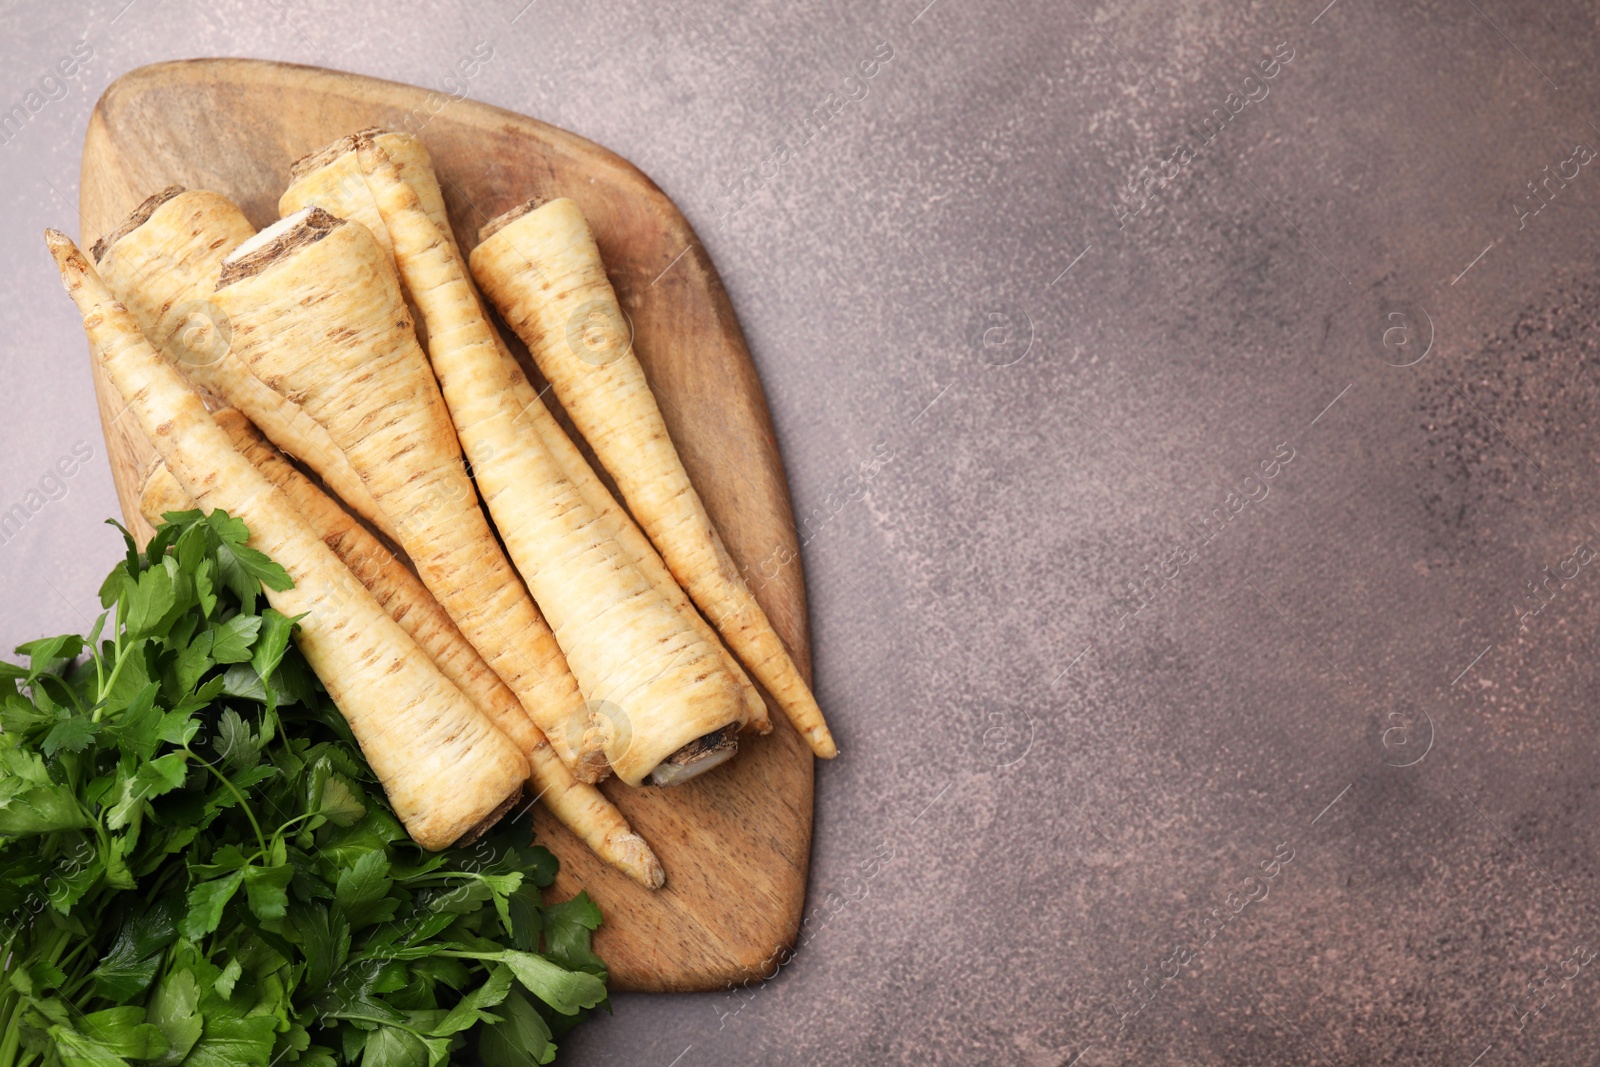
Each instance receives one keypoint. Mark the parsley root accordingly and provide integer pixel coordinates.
(664, 687)
(162, 263)
(331, 178)
(539, 265)
(447, 769)
(581, 808)
(317, 315)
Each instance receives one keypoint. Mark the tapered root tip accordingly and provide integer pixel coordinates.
(633, 857)
(821, 742)
(60, 244)
(68, 259)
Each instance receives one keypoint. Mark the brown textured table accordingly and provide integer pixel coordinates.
(1149, 757)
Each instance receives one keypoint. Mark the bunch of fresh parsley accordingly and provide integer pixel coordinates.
(198, 868)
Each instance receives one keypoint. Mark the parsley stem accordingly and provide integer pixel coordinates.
(57, 943)
(157, 884)
(116, 669)
(297, 818)
(99, 674)
(437, 877)
(418, 1034)
(67, 959)
(244, 805)
(10, 1005)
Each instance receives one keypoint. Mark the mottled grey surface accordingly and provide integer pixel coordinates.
(1041, 791)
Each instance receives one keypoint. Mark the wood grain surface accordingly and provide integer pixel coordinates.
(735, 843)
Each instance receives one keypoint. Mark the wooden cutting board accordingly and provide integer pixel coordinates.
(736, 843)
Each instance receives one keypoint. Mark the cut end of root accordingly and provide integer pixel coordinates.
(697, 757)
(321, 157)
(633, 857)
(486, 824)
(278, 241)
(138, 217)
(501, 221)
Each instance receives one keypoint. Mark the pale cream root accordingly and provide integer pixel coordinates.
(582, 808)
(162, 263)
(332, 178)
(661, 684)
(540, 267)
(317, 315)
(445, 766)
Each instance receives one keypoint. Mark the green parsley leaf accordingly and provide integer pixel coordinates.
(206, 902)
(229, 978)
(30, 803)
(147, 602)
(265, 888)
(153, 779)
(135, 957)
(231, 641)
(473, 1008)
(193, 661)
(124, 1033)
(234, 1042)
(188, 826)
(567, 929)
(79, 1049)
(71, 733)
(363, 891)
(390, 1046)
(174, 1009)
(568, 992)
(240, 680)
(272, 641)
(520, 1039)
(131, 675)
(49, 654)
(236, 746)
(139, 729)
(339, 803)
